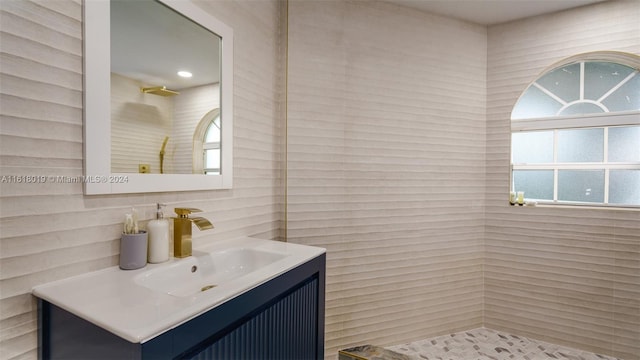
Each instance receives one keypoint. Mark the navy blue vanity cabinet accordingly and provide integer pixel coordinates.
(280, 319)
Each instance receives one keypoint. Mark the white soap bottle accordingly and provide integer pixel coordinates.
(158, 237)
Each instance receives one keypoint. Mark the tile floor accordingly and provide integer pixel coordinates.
(487, 344)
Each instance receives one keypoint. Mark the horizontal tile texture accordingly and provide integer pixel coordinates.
(564, 275)
(51, 231)
(386, 166)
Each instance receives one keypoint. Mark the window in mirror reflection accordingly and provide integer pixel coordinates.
(207, 144)
(211, 148)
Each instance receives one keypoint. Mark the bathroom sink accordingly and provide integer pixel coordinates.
(205, 271)
(162, 296)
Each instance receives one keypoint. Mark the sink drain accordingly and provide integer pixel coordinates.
(205, 288)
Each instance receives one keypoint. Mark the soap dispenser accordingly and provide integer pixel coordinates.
(158, 237)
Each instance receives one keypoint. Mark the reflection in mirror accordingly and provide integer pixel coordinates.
(165, 76)
(206, 144)
(166, 67)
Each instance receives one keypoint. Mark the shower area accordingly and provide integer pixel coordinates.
(398, 153)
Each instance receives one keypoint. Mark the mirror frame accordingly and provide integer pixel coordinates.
(97, 109)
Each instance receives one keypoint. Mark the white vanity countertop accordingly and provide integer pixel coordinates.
(111, 298)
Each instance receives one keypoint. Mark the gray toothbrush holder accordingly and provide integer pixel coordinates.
(133, 251)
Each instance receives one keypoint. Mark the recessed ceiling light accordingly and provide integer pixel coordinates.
(185, 74)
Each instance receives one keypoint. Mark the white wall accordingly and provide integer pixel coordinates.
(52, 231)
(386, 139)
(569, 276)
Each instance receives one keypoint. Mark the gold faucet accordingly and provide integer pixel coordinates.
(182, 230)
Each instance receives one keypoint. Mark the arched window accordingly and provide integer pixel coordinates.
(206, 144)
(211, 148)
(575, 132)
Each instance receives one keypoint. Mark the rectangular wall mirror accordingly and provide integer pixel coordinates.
(158, 93)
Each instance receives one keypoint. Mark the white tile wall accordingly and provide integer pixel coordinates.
(568, 276)
(51, 231)
(386, 166)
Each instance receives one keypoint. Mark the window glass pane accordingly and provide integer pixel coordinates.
(581, 145)
(563, 82)
(581, 185)
(624, 144)
(536, 184)
(534, 103)
(213, 132)
(600, 77)
(627, 97)
(624, 187)
(532, 147)
(582, 108)
(212, 159)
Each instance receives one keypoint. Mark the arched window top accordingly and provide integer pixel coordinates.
(586, 84)
(206, 144)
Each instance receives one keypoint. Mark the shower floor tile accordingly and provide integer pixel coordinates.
(487, 344)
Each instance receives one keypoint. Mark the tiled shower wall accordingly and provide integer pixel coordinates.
(386, 122)
(51, 231)
(386, 143)
(563, 275)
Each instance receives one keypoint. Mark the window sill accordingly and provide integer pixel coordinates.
(566, 205)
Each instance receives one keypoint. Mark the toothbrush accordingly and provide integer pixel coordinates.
(131, 222)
